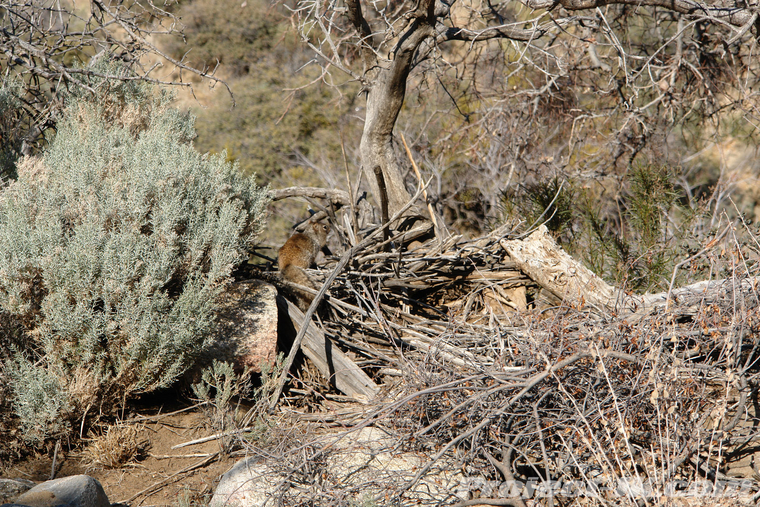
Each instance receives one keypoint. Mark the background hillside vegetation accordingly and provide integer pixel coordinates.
(498, 137)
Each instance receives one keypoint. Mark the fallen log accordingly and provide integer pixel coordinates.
(331, 362)
(547, 264)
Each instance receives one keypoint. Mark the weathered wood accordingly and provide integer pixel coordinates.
(343, 373)
(546, 263)
(707, 291)
(688, 299)
(333, 195)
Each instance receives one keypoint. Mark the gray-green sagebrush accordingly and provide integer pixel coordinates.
(114, 247)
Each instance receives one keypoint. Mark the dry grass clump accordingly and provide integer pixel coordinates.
(116, 448)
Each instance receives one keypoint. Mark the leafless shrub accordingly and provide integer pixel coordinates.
(52, 47)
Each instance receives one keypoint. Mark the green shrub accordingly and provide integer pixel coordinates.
(653, 234)
(117, 242)
(548, 202)
(219, 384)
(39, 400)
(651, 198)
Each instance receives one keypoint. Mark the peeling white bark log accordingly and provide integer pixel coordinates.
(547, 264)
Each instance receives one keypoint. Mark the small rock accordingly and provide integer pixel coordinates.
(74, 491)
(11, 488)
(248, 484)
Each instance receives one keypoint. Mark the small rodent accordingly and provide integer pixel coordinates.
(299, 253)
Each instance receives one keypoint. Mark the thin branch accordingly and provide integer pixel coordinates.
(132, 33)
(333, 195)
(357, 19)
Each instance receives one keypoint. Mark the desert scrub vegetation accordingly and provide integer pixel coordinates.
(282, 128)
(634, 232)
(115, 244)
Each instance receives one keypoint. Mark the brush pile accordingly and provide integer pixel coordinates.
(515, 380)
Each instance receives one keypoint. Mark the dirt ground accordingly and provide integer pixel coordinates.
(158, 475)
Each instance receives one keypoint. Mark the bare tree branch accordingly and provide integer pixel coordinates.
(54, 43)
(360, 23)
(335, 196)
(729, 13)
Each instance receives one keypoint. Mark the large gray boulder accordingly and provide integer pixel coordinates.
(246, 331)
(74, 491)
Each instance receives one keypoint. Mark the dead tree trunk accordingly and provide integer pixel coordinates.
(547, 264)
(385, 85)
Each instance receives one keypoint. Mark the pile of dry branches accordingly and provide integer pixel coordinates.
(514, 382)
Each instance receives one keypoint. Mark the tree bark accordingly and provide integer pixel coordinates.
(386, 89)
(547, 264)
(384, 102)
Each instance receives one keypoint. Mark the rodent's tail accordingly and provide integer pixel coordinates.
(296, 274)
